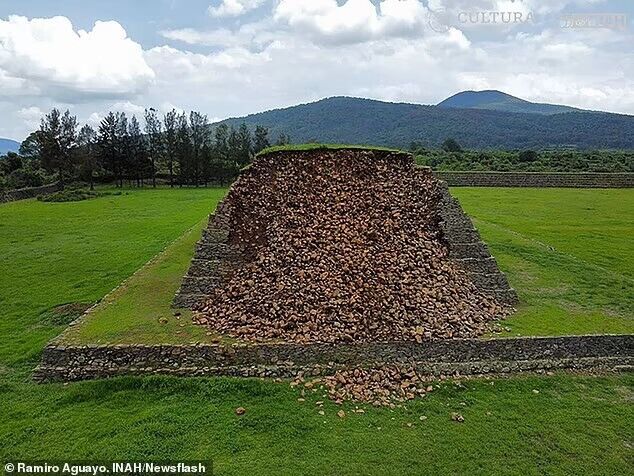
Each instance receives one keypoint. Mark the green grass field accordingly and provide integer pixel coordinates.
(568, 253)
(563, 257)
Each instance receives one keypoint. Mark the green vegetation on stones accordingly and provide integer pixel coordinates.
(317, 146)
(74, 195)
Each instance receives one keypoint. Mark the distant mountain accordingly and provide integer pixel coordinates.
(8, 145)
(365, 121)
(499, 101)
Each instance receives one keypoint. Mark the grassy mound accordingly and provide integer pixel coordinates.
(317, 146)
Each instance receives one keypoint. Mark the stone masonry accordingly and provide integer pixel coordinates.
(536, 179)
(214, 258)
(213, 261)
(467, 249)
(435, 358)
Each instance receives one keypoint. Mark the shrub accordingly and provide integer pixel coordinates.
(68, 195)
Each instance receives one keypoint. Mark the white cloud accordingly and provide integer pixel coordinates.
(218, 37)
(233, 8)
(51, 58)
(298, 51)
(31, 116)
(354, 21)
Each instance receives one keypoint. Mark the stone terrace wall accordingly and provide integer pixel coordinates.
(467, 250)
(32, 192)
(214, 260)
(536, 179)
(441, 357)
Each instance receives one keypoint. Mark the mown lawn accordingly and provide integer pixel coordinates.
(58, 253)
(569, 253)
(52, 254)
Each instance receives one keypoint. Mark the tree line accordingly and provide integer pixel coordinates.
(178, 148)
(451, 156)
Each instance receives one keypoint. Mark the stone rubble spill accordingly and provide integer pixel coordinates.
(343, 246)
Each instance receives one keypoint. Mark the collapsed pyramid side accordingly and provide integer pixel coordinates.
(215, 258)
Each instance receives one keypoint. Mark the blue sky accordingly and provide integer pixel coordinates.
(234, 57)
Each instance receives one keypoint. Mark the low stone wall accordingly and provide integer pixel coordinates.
(467, 357)
(32, 192)
(536, 179)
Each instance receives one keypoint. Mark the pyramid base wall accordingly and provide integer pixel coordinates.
(432, 358)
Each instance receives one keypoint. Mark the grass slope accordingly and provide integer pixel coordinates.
(140, 309)
(77, 252)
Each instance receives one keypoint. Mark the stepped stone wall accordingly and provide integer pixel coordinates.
(214, 260)
(536, 179)
(440, 357)
(31, 192)
(468, 251)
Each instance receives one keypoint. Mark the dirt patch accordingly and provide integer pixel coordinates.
(64, 314)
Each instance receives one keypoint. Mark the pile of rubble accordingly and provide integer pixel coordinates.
(342, 246)
(386, 385)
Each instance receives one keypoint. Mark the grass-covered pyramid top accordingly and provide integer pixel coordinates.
(318, 146)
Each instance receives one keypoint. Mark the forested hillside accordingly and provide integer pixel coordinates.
(365, 121)
(8, 145)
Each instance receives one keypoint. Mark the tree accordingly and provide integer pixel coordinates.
(261, 141)
(57, 137)
(154, 139)
(199, 130)
(244, 145)
(221, 142)
(451, 145)
(87, 153)
(183, 149)
(233, 145)
(170, 121)
(10, 163)
(110, 145)
(528, 156)
(123, 145)
(30, 147)
(136, 150)
(283, 139)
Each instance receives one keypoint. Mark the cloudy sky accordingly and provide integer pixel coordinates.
(234, 57)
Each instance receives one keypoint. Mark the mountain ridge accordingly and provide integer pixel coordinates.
(8, 145)
(343, 119)
(497, 100)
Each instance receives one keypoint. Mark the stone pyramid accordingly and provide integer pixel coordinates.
(216, 258)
